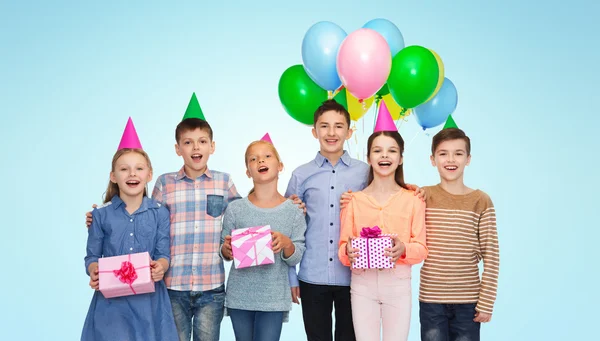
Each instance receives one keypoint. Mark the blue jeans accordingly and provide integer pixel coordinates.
(201, 309)
(256, 325)
(448, 322)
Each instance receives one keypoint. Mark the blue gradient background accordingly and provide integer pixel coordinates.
(71, 74)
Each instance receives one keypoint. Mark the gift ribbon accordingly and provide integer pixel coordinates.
(126, 274)
(370, 232)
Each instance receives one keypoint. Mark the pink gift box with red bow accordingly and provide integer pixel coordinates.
(125, 275)
(372, 245)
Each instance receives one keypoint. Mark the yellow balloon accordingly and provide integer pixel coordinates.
(395, 110)
(357, 109)
(441, 76)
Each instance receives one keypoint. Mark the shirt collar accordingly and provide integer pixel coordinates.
(181, 174)
(118, 202)
(345, 158)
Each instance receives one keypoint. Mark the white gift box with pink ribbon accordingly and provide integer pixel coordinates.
(252, 246)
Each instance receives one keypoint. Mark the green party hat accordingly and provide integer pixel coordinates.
(193, 110)
(450, 123)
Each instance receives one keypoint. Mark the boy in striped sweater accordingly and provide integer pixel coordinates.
(461, 231)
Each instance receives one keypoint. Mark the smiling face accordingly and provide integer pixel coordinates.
(332, 130)
(195, 147)
(451, 157)
(262, 162)
(384, 156)
(131, 173)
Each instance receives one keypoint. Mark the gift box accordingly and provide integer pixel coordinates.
(252, 246)
(125, 275)
(372, 245)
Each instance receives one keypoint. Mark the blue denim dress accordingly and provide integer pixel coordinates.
(114, 232)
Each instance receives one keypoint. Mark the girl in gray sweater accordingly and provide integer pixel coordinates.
(258, 298)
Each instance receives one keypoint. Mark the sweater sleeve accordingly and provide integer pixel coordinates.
(297, 237)
(488, 244)
(416, 249)
(346, 231)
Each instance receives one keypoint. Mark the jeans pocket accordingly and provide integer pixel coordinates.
(214, 205)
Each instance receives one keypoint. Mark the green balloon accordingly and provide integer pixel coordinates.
(342, 98)
(414, 76)
(300, 95)
(383, 91)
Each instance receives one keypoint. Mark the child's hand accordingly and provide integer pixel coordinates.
(351, 251)
(298, 202)
(158, 269)
(280, 242)
(418, 191)
(94, 276)
(295, 294)
(88, 217)
(396, 251)
(482, 317)
(346, 198)
(226, 248)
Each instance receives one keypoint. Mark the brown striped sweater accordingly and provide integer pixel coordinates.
(461, 231)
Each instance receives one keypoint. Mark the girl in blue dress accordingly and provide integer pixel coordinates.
(129, 222)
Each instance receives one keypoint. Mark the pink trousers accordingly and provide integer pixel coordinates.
(381, 301)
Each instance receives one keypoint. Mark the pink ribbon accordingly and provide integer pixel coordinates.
(370, 232)
(127, 274)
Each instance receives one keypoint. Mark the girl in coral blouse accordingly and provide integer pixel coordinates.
(381, 298)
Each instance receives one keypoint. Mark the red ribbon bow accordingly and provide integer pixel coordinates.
(370, 232)
(126, 273)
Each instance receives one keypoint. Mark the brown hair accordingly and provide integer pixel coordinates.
(191, 124)
(254, 144)
(328, 105)
(113, 188)
(447, 135)
(399, 176)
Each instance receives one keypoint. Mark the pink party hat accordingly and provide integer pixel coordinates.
(130, 138)
(384, 119)
(267, 138)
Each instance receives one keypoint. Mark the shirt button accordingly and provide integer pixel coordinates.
(131, 220)
(331, 205)
(333, 171)
(130, 249)
(331, 259)
(331, 241)
(131, 234)
(196, 226)
(194, 269)
(330, 224)
(331, 187)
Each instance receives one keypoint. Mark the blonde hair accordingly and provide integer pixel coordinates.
(113, 188)
(257, 143)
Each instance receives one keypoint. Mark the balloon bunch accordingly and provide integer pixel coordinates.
(364, 67)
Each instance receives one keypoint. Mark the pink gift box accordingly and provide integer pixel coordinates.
(125, 275)
(372, 245)
(252, 246)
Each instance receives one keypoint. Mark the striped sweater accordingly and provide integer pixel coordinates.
(461, 231)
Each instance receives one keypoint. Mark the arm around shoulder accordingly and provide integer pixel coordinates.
(95, 240)
(416, 249)
(162, 248)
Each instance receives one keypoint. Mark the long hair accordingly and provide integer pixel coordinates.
(399, 175)
(113, 188)
(254, 144)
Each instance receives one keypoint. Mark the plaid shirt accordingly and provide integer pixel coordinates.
(196, 207)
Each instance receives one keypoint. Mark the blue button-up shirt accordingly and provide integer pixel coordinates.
(115, 232)
(320, 186)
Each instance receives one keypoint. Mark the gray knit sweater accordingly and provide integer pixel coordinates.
(265, 287)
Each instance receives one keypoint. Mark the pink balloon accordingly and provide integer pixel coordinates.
(364, 62)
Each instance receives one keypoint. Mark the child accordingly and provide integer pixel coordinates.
(382, 297)
(258, 298)
(324, 281)
(129, 222)
(461, 231)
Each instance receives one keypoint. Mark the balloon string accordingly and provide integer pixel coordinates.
(411, 141)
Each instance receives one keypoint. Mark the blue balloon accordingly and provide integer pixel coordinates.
(436, 111)
(319, 54)
(389, 31)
